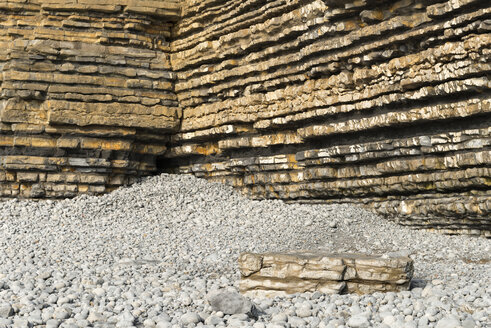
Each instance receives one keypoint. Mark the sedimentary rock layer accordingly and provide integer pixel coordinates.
(380, 103)
(373, 102)
(288, 273)
(87, 97)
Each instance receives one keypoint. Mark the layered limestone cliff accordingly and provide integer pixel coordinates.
(380, 103)
(373, 102)
(87, 97)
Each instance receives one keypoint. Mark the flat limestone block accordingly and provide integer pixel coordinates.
(276, 274)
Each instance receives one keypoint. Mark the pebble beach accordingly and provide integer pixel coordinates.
(151, 255)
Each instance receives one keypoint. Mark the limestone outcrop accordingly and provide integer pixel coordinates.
(278, 274)
(380, 103)
(87, 97)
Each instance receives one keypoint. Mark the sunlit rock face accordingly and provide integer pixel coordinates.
(380, 103)
(87, 94)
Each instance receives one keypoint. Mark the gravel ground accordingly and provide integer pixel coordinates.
(151, 255)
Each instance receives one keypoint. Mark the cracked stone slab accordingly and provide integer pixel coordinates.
(275, 274)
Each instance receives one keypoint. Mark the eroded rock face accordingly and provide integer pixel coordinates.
(87, 100)
(383, 104)
(298, 272)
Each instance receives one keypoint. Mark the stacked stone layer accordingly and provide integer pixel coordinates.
(87, 97)
(277, 274)
(374, 102)
(380, 103)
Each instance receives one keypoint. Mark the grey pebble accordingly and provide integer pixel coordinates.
(213, 320)
(52, 323)
(21, 323)
(154, 253)
(279, 317)
(229, 302)
(358, 321)
(296, 321)
(190, 317)
(6, 310)
(163, 324)
(448, 322)
(304, 311)
(61, 313)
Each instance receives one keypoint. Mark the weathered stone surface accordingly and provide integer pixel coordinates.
(86, 94)
(380, 104)
(383, 104)
(273, 274)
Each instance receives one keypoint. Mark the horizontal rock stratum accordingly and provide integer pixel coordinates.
(380, 103)
(278, 274)
(87, 94)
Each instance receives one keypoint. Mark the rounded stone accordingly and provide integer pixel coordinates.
(358, 321)
(190, 318)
